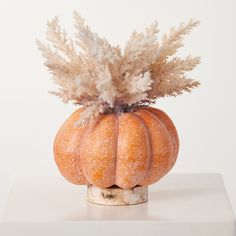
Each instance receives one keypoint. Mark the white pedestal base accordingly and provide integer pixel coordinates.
(180, 204)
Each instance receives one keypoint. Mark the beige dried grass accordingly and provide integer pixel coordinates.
(93, 73)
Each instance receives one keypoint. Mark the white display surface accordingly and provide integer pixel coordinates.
(179, 204)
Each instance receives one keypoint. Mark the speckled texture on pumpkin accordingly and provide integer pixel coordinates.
(66, 150)
(172, 131)
(128, 149)
(98, 152)
(133, 151)
(161, 147)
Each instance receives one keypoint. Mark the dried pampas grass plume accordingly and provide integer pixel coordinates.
(103, 79)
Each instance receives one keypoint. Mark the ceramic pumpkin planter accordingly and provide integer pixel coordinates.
(125, 150)
(116, 143)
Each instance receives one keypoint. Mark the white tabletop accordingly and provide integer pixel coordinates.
(179, 204)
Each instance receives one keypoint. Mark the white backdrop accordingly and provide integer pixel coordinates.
(30, 116)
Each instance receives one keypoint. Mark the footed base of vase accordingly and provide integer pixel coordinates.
(115, 196)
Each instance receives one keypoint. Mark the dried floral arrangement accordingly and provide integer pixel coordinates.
(104, 79)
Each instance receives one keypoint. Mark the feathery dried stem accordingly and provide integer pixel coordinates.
(177, 86)
(60, 41)
(174, 40)
(141, 51)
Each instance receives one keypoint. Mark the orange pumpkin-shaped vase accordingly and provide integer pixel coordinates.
(127, 150)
